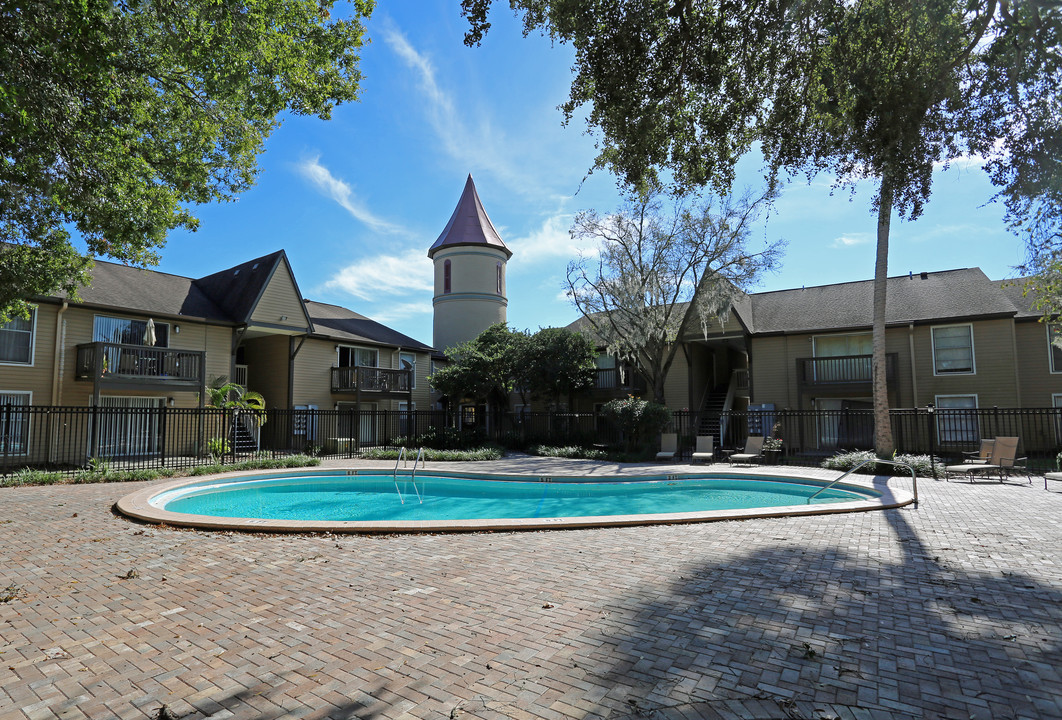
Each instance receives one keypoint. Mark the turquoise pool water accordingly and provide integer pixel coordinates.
(381, 497)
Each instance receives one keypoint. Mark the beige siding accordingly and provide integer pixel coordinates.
(1038, 384)
(36, 377)
(267, 368)
(676, 385)
(772, 370)
(280, 299)
(473, 303)
(313, 374)
(994, 381)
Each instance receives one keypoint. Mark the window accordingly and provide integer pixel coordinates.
(953, 350)
(16, 340)
(957, 419)
(1054, 335)
(408, 361)
(129, 332)
(498, 277)
(357, 357)
(446, 276)
(14, 422)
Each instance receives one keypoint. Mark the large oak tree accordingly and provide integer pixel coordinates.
(118, 116)
(872, 89)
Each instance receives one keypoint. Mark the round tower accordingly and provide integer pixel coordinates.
(469, 259)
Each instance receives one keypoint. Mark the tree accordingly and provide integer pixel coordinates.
(484, 368)
(559, 363)
(873, 89)
(116, 116)
(660, 275)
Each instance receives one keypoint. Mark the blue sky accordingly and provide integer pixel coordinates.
(356, 201)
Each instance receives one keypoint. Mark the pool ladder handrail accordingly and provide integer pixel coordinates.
(914, 477)
(413, 476)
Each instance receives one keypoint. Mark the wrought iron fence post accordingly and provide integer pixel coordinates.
(162, 435)
(930, 416)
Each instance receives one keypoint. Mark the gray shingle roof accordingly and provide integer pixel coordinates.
(149, 292)
(339, 323)
(237, 289)
(469, 225)
(947, 295)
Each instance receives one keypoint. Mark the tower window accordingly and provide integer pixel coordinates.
(498, 271)
(446, 276)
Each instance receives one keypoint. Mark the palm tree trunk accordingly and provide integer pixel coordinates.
(883, 444)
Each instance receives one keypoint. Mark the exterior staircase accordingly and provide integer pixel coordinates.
(711, 409)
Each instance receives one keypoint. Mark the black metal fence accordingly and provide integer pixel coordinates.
(69, 438)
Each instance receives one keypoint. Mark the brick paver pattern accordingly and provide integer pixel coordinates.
(949, 610)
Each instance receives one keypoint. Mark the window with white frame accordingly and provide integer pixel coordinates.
(953, 350)
(957, 419)
(14, 422)
(408, 361)
(16, 340)
(1054, 340)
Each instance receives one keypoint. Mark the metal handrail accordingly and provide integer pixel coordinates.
(394, 475)
(914, 477)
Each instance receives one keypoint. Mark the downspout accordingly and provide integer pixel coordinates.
(914, 375)
(57, 368)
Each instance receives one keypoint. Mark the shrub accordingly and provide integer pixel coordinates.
(569, 451)
(639, 420)
(483, 453)
(444, 438)
(922, 464)
(29, 476)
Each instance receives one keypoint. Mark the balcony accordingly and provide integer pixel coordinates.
(843, 372)
(380, 381)
(611, 381)
(136, 366)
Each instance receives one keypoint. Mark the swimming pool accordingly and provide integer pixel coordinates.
(379, 501)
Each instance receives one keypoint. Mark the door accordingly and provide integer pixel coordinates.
(129, 426)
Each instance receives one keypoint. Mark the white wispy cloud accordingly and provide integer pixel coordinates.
(397, 312)
(850, 240)
(476, 146)
(549, 241)
(399, 274)
(341, 192)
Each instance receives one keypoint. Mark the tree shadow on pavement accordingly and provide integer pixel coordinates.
(793, 633)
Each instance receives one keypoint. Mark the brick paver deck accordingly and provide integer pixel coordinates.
(950, 610)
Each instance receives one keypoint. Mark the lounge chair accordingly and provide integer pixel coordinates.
(705, 451)
(753, 451)
(668, 446)
(1003, 462)
(983, 455)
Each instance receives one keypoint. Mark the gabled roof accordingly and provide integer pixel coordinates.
(934, 296)
(1014, 289)
(339, 323)
(469, 225)
(238, 289)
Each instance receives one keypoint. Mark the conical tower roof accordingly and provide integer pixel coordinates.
(469, 225)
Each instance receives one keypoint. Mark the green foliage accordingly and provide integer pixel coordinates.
(922, 464)
(444, 438)
(574, 452)
(221, 393)
(486, 368)
(219, 447)
(31, 476)
(639, 420)
(483, 453)
(558, 363)
(115, 118)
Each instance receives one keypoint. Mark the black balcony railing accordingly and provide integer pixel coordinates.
(841, 370)
(371, 379)
(115, 362)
